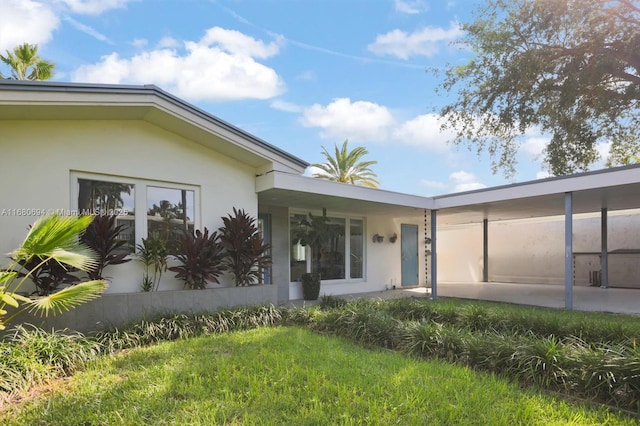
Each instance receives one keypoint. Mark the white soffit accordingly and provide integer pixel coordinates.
(301, 192)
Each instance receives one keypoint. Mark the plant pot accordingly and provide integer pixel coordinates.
(310, 285)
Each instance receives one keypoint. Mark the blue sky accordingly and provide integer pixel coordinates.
(298, 74)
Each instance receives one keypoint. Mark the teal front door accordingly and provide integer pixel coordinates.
(409, 243)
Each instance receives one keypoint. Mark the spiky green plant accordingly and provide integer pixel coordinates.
(50, 238)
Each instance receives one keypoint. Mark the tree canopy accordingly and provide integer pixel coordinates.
(346, 166)
(25, 63)
(569, 69)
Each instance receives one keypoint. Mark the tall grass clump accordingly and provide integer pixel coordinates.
(29, 355)
(362, 321)
(183, 326)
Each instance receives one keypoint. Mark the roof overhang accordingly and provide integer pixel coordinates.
(25, 100)
(306, 193)
(613, 189)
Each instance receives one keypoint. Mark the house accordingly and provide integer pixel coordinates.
(140, 152)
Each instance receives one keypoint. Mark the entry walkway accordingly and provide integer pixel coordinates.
(615, 300)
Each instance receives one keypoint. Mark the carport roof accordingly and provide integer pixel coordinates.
(614, 189)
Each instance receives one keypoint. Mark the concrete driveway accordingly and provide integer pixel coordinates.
(615, 300)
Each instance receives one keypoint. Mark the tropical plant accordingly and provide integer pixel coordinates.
(316, 232)
(346, 166)
(102, 237)
(153, 253)
(25, 63)
(51, 238)
(202, 259)
(568, 69)
(246, 253)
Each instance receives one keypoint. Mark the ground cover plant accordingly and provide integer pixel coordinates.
(584, 356)
(289, 375)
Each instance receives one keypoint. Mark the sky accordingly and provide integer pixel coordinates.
(301, 75)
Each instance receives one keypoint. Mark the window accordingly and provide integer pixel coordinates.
(110, 198)
(332, 246)
(356, 248)
(142, 207)
(169, 214)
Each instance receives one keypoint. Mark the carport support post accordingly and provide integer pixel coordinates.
(568, 250)
(434, 260)
(485, 250)
(604, 255)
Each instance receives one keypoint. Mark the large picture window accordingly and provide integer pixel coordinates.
(163, 210)
(331, 246)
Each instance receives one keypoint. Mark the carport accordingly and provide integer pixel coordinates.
(600, 191)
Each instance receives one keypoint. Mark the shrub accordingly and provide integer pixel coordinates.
(246, 253)
(153, 253)
(202, 259)
(102, 237)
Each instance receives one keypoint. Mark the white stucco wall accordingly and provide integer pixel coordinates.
(532, 251)
(40, 156)
(383, 260)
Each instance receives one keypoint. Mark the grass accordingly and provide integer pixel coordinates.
(289, 375)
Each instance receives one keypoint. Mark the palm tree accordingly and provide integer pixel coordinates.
(25, 63)
(346, 167)
(50, 238)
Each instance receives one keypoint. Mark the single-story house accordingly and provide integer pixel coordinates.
(140, 152)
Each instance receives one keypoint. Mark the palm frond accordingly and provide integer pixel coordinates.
(67, 298)
(53, 234)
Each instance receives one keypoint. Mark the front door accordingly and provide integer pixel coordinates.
(409, 243)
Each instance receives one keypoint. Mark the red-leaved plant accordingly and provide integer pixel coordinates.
(201, 257)
(102, 237)
(246, 253)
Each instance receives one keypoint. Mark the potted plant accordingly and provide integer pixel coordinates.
(310, 285)
(315, 232)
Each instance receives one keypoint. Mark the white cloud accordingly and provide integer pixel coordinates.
(424, 132)
(140, 43)
(94, 7)
(543, 174)
(603, 149)
(168, 42)
(433, 184)
(233, 41)
(281, 105)
(220, 66)
(88, 30)
(425, 42)
(25, 21)
(411, 7)
(343, 119)
(535, 146)
(465, 181)
(307, 75)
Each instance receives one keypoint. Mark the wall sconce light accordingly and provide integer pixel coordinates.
(393, 238)
(377, 238)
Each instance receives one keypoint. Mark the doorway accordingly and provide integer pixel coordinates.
(409, 246)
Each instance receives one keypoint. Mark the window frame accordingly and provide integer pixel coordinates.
(347, 218)
(140, 196)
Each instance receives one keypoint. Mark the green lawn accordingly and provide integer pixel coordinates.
(292, 376)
